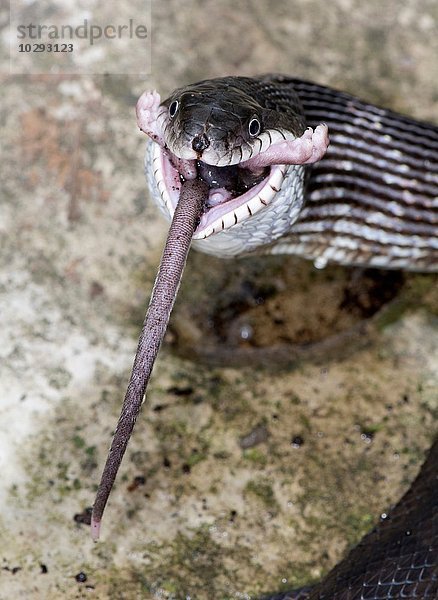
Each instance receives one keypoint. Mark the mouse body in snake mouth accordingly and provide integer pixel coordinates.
(257, 152)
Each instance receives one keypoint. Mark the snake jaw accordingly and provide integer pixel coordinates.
(252, 171)
(223, 210)
(233, 211)
(219, 215)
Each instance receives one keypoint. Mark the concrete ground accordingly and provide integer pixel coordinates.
(193, 513)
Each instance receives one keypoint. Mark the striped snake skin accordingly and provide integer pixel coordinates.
(373, 199)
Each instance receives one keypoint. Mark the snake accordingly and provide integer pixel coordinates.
(279, 165)
(368, 199)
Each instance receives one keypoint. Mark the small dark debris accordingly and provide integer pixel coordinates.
(186, 468)
(367, 434)
(96, 289)
(297, 441)
(159, 407)
(84, 517)
(44, 568)
(12, 570)
(257, 436)
(137, 482)
(181, 391)
(221, 455)
(81, 577)
(233, 515)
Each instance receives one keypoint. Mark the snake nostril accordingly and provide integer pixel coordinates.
(200, 143)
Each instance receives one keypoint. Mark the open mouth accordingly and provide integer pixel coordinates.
(235, 193)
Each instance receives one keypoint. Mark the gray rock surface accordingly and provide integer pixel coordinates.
(193, 515)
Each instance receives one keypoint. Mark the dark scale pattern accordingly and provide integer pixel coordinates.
(371, 201)
(398, 558)
(228, 104)
(275, 95)
(381, 172)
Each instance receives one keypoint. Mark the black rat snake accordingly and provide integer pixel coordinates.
(270, 185)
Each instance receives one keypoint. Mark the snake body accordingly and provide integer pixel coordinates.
(398, 558)
(273, 184)
(371, 200)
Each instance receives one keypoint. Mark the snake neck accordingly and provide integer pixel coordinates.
(373, 199)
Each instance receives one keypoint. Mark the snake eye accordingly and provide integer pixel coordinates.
(173, 108)
(254, 127)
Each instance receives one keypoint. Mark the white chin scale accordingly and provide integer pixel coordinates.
(240, 225)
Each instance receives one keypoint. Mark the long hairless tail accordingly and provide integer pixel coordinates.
(185, 220)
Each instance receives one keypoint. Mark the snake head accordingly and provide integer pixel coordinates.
(222, 124)
(241, 136)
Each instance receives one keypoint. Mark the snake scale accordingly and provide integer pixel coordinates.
(293, 167)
